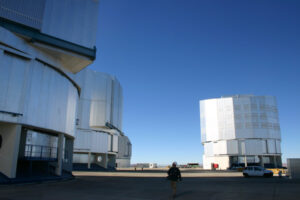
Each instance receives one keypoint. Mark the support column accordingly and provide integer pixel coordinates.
(275, 162)
(246, 161)
(60, 148)
(9, 151)
(262, 161)
(68, 165)
(105, 160)
(89, 160)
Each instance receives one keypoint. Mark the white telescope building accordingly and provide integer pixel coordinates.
(240, 130)
(99, 136)
(41, 44)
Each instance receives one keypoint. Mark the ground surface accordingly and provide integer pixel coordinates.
(153, 185)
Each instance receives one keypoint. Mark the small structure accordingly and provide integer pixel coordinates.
(293, 165)
(153, 165)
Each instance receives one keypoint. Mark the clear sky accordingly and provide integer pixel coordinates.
(168, 55)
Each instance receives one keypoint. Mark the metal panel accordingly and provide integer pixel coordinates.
(101, 100)
(91, 141)
(211, 120)
(124, 147)
(232, 147)
(109, 143)
(99, 142)
(117, 104)
(219, 147)
(26, 12)
(278, 146)
(115, 143)
(72, 20)
(95, 99)
(271, 146)
(44, 97)
(254, 147)
(208, 149)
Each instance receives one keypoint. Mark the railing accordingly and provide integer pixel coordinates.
(39, 152)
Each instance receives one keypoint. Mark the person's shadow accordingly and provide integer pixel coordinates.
(182, 194)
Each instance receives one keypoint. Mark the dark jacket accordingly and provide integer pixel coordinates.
(174, 174)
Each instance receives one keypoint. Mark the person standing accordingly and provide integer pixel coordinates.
(174, 175)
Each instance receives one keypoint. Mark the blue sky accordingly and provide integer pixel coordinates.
(168, 55)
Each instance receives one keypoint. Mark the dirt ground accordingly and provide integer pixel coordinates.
(153, 185)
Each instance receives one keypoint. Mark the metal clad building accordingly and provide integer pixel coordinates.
(99, 119)
(41, 43)
(124, 154)
(241, 129)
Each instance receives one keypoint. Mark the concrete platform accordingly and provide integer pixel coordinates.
(143, 185)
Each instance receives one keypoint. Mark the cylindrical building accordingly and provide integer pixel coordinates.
(99, 121)
(240, 130)
(41, 44)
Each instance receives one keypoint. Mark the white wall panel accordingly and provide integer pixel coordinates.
(123, 163)
(72, 20)
(91, 141)
(209, 149)
(109, 144)
(115, 143)
(124, 147)
(105, 96)
(278, 146)
(211, 120)
(254, 147)
(232, 147)
(44, 97)
(271, 146)
(23, 11)
(117, 104)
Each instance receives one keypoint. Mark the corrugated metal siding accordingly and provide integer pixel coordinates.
(46, 98)
(26, 12)
(72, 20)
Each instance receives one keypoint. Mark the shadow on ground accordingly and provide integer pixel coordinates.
(90, 187)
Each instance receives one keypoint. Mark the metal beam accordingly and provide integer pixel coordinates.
(36, 35)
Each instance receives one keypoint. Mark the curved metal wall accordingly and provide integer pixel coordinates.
(91, 141)
(101, 100)
(41, 96)
(71, 20)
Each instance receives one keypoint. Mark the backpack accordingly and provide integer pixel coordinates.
(173, 175)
